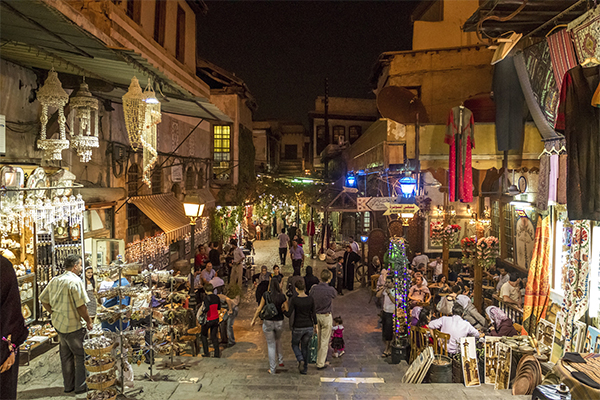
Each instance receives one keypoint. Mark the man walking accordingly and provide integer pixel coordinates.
(323, 295)
(236, 270)
(284, 241)
(65, 299)
(297, 256)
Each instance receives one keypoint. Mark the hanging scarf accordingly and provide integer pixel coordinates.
(538, 279)
(577, 272)
(460, 137)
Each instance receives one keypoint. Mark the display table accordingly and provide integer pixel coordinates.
(578, 390)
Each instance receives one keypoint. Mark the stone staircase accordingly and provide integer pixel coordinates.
(291, 167)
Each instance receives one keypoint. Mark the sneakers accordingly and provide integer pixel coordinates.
(335, 354)
(341, 353)
(281, 365)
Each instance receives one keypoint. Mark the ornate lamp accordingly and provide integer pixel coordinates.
(134, 110)
(53, 95)
(148, 138)
(83, 121)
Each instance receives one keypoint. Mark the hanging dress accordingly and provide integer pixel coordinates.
(460, 173)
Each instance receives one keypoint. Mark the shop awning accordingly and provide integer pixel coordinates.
(35, 34)
(166, 211)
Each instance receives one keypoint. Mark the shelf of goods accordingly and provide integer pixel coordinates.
(38, 336)
(101, 366)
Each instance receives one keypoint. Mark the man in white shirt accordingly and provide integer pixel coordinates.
(437, 266)
(354, 245)
(420, 258)
(284, 241)
(502, 279)
(510, 291)
(236, 271)
(455, 326)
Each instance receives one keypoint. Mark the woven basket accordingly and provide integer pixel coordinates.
(100, 368)
(101, 385)
(99, 352)
(113, 391)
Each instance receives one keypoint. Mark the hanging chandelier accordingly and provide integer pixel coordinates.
(148, 139)
(51, 94)
(83, 121)
(134, 110)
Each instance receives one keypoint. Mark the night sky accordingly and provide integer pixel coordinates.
(284, 50)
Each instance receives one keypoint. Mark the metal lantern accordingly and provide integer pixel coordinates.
(148, 139)
(53, 95)
(134, 110)
(83, 121)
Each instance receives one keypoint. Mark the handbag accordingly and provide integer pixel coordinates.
(269, 310)
(312, 349)
(201, 315)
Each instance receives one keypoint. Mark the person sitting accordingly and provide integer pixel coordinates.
(443, 284)
(456, 327)
(375, 265)
(501, 324)
(471, 314)
(414, 316)
(420, 274)
(444, 307)
(510, 292)
(309, 279)
(419, 293)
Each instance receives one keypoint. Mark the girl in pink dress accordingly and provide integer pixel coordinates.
(337, 337)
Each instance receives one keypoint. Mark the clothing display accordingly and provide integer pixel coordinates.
(580, 123)
(562, 54)
(510, 106)
(538, 280)
(460, 137)
(585, 31)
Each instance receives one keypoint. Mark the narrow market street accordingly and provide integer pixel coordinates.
(241, 373)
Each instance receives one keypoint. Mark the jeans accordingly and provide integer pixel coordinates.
(230, 320)
(282, 253)
(324, 326)
(72, 359)
(300, 341)
(213, 327)
(8, 380)
(273, 331)
(297, 265)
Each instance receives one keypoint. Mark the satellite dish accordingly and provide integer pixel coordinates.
(401, 105)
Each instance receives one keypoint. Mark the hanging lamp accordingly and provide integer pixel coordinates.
(83, 120)
(51, 94)
(134, 110)
(148, 139)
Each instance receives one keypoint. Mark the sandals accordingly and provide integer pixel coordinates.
(384, 354)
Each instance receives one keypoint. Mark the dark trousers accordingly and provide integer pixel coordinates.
(297, 265)
(213, 326)
(8, 380)
(282, 254)
(333, 280)
(72, 359)
(300, 342)
(340, 284)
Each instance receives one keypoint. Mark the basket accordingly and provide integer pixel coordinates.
(101, 385)
(99, 352)
(100, 368)
(112, 391)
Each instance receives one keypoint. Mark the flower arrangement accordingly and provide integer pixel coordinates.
(487, 251)
(449, 233)
(469, 249)
(439, 233)
(436, 229)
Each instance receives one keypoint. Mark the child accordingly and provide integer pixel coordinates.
(340, 275)
(337, 337)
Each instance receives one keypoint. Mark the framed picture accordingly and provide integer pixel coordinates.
(558, 344)
(504, 353)
(579, 334)
(592, 342)
(468, 357)
(491, 359)
(466, 229)
(525, 237)
(545, 332)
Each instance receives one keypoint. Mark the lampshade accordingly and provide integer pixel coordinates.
(350, 180)
(134, 110)
(193, 207)
(408, 186)
(51, 94)
(84, 122)
(149, 133)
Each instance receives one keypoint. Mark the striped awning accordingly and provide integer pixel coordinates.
(166, 211)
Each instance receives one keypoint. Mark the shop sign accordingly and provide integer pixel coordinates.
(401, 209)
(373, 203)
(177, 173)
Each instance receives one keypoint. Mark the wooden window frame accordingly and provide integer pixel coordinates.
(216, 150)
(156, 179)
(160, 21)
(133, 184)
(180, 35)
(133, 10)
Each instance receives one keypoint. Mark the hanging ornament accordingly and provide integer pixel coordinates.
(83, 121)
(148, 139)
(134, 110)
(53, 95)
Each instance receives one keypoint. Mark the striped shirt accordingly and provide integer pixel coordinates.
(65, 294)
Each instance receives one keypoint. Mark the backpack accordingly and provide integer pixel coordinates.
(269, 310)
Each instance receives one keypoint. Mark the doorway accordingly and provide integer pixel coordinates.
(291, 151)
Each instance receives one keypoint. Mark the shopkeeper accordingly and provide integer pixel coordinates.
(125, 301)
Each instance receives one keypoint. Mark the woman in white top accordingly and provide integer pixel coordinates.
(387, 292)
(91, 289)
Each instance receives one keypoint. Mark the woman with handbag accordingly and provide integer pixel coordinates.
(270, 310)
(208, 317)
(305, 321)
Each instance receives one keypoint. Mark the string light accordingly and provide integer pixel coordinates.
(397, 265)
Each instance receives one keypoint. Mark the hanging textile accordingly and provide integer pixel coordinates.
(581, 125)
(585, 31)
(576, 278)
(543, 180)
(510, 106)
(562, 54)
(460, 137)
(538, 278)
(561, 191)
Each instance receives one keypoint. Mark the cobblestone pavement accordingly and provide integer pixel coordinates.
(241, 373)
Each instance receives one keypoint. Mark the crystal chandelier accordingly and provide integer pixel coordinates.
(83, 121)
(134, 110)
(148, 139)
(51, 94)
